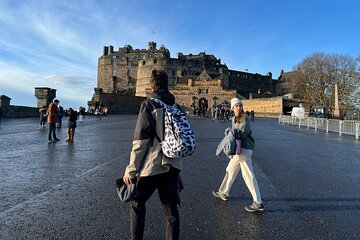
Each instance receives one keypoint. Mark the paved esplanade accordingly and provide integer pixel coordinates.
(309, 181)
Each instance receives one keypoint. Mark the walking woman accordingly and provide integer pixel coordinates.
(242, 160)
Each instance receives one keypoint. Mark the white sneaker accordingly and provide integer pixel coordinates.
(220, 195)
(255, 207)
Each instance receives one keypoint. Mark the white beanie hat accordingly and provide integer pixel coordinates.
(235, 101)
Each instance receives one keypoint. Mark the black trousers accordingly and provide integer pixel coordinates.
(167, 186)
(52, 128)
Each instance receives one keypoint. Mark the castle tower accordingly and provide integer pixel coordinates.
(155, 60)
(4, 102)
(44, 96)
(152, 45)
(145, 69)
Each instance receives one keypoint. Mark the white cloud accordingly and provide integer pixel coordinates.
(74, 89)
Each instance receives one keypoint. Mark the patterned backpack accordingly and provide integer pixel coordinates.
(179, 138)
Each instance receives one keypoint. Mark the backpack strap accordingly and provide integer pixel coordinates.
(163, 105)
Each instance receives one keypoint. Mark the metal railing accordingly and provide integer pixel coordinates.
(349, 127)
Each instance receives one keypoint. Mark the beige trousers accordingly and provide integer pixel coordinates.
(243, 162)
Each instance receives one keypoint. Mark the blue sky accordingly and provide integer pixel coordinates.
(57, 43)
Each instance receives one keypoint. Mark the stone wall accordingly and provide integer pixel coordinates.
(21, 111)
(247, 83)
(118, 104)
(197, 90)
(118, 70)
(264, 106)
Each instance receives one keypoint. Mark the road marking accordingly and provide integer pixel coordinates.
(57, 186)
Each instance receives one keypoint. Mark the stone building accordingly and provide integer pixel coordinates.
(194, 79)
(44, 96)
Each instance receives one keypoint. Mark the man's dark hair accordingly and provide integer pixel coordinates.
(159, 80)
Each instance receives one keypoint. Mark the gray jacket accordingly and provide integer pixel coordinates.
(228, 143)
(146, 157)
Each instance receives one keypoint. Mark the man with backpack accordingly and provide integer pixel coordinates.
(149, 165)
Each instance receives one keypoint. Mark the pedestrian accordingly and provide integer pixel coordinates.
(150, 166)
(227, 114)
(222, 113)
(97, 113)
(252, 116)
(71, 124)
(43, 116)
(60, 116)
(241, 160)
(52, 118)
(81, 112)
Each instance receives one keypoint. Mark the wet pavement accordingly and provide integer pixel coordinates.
(309, 182)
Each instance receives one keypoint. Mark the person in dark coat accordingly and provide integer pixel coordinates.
(43, 116)
(150, 166)
(73, 115)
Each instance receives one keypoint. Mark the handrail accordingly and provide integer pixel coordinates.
(349, 127)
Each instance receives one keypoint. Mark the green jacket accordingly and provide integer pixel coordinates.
(247, 141)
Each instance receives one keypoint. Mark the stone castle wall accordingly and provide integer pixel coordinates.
(118, 71)
(21, 111)
(144, 74)
(264, 106)
(127, 72)
(247, 83)
(118, 104)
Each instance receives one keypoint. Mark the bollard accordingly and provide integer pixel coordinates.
(340, 128)
(327, 125)
(299, 122)
(357, 130)
(315, 124)
(308, 123)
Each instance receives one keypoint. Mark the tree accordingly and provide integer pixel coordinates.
(314, 79)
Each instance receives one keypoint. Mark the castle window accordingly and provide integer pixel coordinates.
(144, 63)
(155, 61)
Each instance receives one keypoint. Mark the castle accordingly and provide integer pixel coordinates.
(195, 80)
